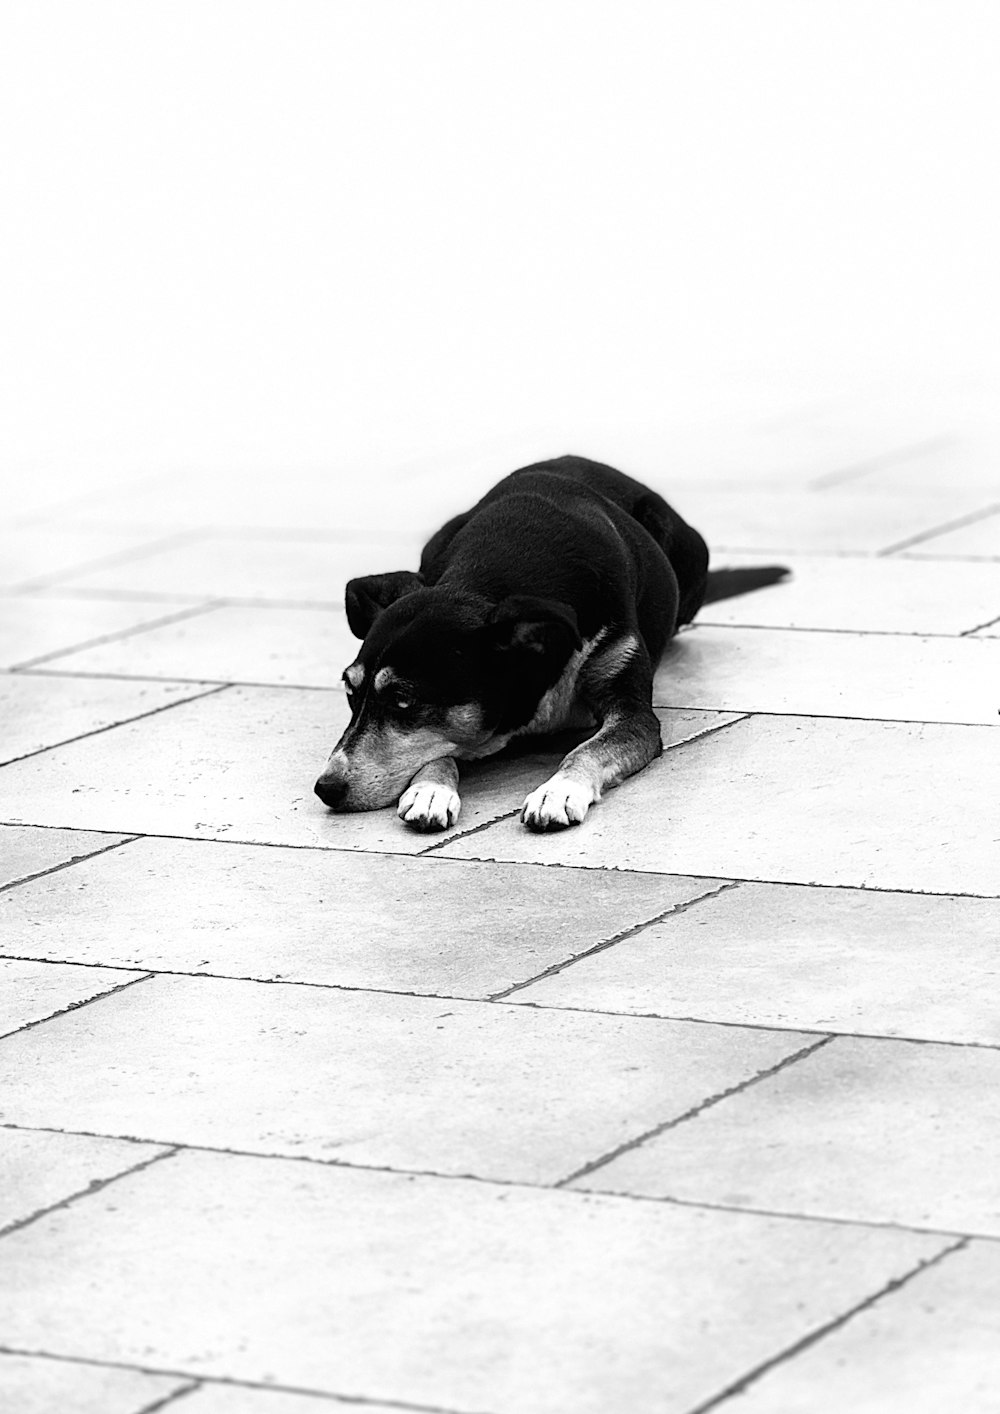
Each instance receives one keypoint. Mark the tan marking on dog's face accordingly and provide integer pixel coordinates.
(355, 675)
(383, 678)
(378, 762)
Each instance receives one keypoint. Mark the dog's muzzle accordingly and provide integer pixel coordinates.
(334, 782)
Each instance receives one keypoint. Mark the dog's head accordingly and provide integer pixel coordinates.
(440, 672)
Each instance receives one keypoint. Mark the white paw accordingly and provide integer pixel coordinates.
(428, 806)
(561, 801)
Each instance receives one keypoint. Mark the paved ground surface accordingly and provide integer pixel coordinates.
(694, 1107)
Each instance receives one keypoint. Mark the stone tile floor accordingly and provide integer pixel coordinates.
(695, 1107)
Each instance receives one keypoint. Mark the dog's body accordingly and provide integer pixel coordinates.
(546, 606)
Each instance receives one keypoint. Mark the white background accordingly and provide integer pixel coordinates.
(257, 235)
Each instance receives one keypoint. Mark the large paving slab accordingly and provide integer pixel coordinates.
(838, 520)
(361, 1077)
(249, 567)
(902, 677)
(868, 595)
(241, 763)
(39, 711)
(36, 626)
(231, 643)
(849, 960)
(977, 540)
(30, 553)
(35, 1385)
(25, 850)
(31, 991)
(354, 919)
(930, 1346)
(868, 1130)
(889, 805)
(39, 1170)
(457, 1295)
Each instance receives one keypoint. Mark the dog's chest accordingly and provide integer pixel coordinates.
(556, 708)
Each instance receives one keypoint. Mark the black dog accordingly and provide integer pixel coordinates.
(546, 606)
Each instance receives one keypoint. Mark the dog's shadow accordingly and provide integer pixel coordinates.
(523, 764)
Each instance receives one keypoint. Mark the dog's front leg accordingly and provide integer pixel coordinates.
(629, 738)
(431, 801)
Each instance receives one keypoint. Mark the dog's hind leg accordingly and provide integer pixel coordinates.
(431, 800)
(627, 740)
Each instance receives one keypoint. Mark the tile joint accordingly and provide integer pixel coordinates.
(740, 1386)
(112, 726)
(587, 1169)
(68, 863)
(95, 1186)
(145, 626)
(203, 1381)
(945, 528)
(606, 943)
(167, 1401)
(75, 1006)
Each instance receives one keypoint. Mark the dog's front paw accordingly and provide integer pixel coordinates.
(429, 806)
(558, 803)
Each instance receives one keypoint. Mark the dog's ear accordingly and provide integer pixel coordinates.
(534, 625)
(365, 598)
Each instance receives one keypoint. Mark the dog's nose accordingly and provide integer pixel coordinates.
(331, 790)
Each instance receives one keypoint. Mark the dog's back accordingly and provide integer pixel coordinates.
(578, 530)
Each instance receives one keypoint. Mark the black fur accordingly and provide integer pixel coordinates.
(558, 555)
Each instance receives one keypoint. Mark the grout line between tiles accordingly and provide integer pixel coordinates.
(770, 1028)
(952, 559)
(979, 627)
(462, 835)
(203, 1381)
(167, 1401)
(587, 1169)
(521, 864)
(895, 1284)
(824, 716)
(67, 863)
(116, 557)
(606, 943)
(713, 729)
(465, 834)
(101, 675)
(854, 471)
(166, 596)
(823, 628)
(52, 593)
(110, 727)
(180, 1146)
(190, 611)
(145, 976)
(95, 1186)
(943, 529)
(203, 680)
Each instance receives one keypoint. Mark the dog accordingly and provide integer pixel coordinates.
(545, 607)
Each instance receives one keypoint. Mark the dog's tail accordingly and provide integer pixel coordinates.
(726, 584)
